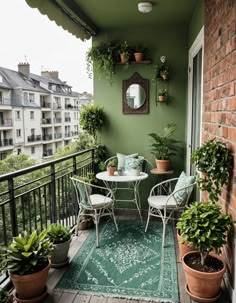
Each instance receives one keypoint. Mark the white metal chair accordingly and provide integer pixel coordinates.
(163, 202)
(93, 205)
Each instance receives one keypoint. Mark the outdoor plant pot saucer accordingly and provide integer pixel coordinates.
(59, 265)
(202, 300)
(32, 300)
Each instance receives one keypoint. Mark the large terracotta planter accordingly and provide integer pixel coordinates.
(202, 286)
(162, 165)
(59, 254)
(183, 248)
(28, 287)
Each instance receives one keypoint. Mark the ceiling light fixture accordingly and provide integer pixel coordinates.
(145, 7)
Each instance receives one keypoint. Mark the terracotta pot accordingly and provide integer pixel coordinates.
(59, 254)
(203, 286)
(138, 57)
(122, 58)
(162, 165)
(162, 98)
(183, 248)
(111, 171)
(31, 286)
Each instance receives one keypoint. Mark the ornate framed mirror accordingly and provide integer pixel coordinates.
(135, 95)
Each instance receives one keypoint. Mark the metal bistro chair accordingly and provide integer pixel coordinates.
(93, 205)
(164, 202)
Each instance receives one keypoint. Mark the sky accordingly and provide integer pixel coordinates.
(27, 35)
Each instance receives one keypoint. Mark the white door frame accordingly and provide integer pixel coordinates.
(196, 46)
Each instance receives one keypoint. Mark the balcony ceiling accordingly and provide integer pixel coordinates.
(85, 18)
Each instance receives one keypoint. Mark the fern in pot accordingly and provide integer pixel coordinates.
(206, 228)
(60, 236)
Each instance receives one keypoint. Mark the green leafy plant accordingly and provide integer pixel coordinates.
(112, 163)
(162, 69)
(139, 48)
(215, 160)
(3, 295)
(92, 119)
(28, 253)
(125, 49)
(163, 147)
(162, 92)
(102, 57)
(58, 233)
(205, 227)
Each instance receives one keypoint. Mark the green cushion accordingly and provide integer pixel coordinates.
(134, 162)
(183, 181)
(121, 159)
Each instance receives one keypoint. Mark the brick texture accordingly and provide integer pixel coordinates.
(219, 93)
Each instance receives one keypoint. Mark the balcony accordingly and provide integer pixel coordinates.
(47, 137)
(69, 106)
(44, 104)
(34, 138)
(6, 123)
(48, 153)
(57, 120)
(6, 142)
(5, 101)
(67, 119)
(57, 106)
(57, 136)
(46, 121)
(68, 135)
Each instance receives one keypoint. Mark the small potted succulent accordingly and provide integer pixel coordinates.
(111, 167)
(60, 236)
(162, 94)
(206, 228)
(213, 161)
(27, 261)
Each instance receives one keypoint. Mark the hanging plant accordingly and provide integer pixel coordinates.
(162, 69)
(102, 59)
(214, 160)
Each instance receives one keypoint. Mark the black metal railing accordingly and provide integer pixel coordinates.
(57, 120)
(6, 123)
(47, 153)
(57, 136)
(47, 137)
(34, 138)
(6, 142)
(46, 121)
(67, 119)
(34, 197)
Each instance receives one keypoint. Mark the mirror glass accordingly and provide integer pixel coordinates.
(135, 96)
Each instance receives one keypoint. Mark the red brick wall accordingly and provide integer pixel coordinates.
(219, 99)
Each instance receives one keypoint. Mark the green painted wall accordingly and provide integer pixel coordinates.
(196, 23)
(127, 133)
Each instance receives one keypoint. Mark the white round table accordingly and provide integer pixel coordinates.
(134, 181)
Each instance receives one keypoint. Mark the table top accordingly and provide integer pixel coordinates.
(155, 171)
(117, 178)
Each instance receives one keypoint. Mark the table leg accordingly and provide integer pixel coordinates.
(137, 198)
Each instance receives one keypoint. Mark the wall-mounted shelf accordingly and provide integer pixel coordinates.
(135, 62)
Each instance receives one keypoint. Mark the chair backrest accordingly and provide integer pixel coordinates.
(183, 194)
(82, 193)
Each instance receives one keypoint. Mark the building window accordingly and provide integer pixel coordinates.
(31, 97)
(31, 115)
(17, 115)
(32, 150)
(18, 151)
(18, 132)
(32, 131)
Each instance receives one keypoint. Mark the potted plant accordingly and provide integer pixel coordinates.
(124, 50)
(162, 69)
(4, 296)
(27, 261)
(163, 147)
(60, 236)
(162, 94)
(205, 227)
(111, 167)
(139, 52)
(214, 160)
(102, 58)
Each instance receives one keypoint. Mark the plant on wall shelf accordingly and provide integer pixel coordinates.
(162, 94)
(125, 52)
(214, 160)
(92, 118)
(102, 58)
(162, 69)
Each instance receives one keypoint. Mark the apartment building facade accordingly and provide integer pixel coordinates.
(38, 114)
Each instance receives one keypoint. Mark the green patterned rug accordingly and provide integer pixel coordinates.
(128, 264)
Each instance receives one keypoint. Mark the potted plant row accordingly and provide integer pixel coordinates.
(163, 147)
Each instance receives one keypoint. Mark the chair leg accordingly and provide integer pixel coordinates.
(148, 218)
(163, 234)
(96, 223)
(77, 223)
(114, 218)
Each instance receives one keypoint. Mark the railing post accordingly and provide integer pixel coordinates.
(74, 166)
(14, 226)
(53, 194)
